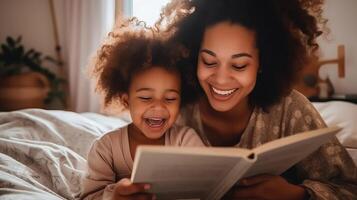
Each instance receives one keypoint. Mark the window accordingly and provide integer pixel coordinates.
(147, 10)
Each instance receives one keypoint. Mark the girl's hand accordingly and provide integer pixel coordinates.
(125, 189)
(267, 187)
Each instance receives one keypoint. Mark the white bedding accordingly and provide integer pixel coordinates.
(42, 153)
(344, 115)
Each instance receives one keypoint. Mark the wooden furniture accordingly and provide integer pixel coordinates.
(352, 98)
(308, 83)
(26, 90)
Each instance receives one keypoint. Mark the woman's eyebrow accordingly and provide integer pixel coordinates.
(238, 55)
(208, 52)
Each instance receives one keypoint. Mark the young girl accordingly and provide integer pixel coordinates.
(245, 55)
(138, 69)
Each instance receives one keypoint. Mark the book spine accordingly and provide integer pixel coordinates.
(231, 178)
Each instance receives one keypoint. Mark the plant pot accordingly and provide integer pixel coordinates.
(26, 90)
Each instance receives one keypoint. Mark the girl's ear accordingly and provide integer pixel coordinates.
(125, 100)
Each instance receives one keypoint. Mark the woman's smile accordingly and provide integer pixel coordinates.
(222, 94)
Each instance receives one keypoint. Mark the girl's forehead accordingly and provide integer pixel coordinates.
(156, 76)
(157, 70)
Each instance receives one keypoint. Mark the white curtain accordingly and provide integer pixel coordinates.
(82, 26)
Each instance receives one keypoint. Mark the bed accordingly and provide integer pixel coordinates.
(42, 153)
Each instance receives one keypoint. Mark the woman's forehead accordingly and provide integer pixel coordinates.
(228, 37)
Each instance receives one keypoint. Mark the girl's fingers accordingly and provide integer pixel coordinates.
(126, 187)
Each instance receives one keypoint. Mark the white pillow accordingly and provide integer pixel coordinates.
(344, 115)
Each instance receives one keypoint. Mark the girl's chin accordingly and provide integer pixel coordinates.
(154, 132)
(154, 136)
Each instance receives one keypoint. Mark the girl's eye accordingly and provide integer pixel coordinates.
(239, 67)
(145, 98)
(170, 99)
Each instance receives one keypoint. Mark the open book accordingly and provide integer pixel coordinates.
(209, 172)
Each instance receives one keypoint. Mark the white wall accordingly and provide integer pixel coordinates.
(342, 16)
(32, 20)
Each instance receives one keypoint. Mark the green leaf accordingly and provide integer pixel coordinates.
(19, 52)
(10, 41)
(5, 49)
(29, 52)
(14, 57)
(18, 39)
(52, 60)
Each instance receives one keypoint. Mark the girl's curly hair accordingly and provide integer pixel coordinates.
(130, 48)
(286, 32)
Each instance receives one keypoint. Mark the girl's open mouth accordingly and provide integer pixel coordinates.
(155, 122)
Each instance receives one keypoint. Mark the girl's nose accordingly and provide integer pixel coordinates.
(157, 105)
(158, 108)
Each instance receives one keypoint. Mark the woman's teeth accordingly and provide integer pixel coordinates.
(223, 92)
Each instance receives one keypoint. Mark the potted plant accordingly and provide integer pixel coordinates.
(25, 81)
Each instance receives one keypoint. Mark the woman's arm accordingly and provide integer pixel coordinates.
(329, 173)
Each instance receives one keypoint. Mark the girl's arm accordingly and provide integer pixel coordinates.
(100, 179)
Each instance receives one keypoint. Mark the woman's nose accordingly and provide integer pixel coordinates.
(222, 75)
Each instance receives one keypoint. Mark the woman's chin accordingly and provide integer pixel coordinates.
(221, 107)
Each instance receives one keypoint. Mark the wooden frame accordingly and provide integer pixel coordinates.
(309, 76)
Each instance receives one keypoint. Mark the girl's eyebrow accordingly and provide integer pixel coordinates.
(144, 89)
(173, 90)
(152, 89)
(238, 55)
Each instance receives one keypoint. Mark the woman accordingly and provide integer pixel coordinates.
(245, 54)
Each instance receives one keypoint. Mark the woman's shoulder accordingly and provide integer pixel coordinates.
(298, 97)
(295, 98)
(294, 101)
(296, 114)
(292, 114)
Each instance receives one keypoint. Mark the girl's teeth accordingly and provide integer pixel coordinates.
(155, 121)
(223, 92)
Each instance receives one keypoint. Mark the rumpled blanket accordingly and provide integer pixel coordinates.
(43, 153)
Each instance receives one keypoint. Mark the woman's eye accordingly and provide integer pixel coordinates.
(209, 63)
(239, 67)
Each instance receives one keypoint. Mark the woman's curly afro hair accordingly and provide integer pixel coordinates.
(286, 32)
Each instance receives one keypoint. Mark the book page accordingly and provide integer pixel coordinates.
(188, 173)
(277, 156)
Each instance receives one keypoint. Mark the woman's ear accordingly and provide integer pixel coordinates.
(125, 100)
